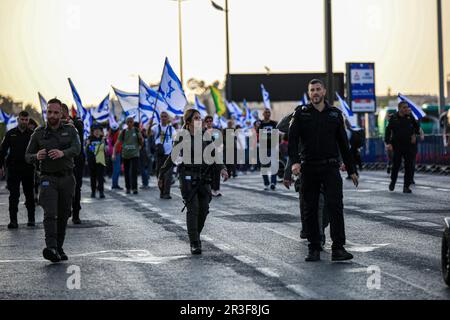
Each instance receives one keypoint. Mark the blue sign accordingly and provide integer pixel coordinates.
(361, 87)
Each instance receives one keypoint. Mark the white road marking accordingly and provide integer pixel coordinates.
(352, 207)
(356, 247)
(425, 224)
(268, 272)
(224, 247)
(304, 292)
(372, 211)
(399, 218)
(245, 259)
(442, 189)
(282, 234)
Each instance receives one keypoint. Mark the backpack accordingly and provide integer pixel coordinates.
(357, 139)
(159, 147)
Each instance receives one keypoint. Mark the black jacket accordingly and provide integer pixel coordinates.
(400, 130)
(319, 136)
(13, 147)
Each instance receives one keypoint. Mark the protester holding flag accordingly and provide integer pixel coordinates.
(95, 151)
(113, 137)
(400, 138)
(131, 141)
(163, 137)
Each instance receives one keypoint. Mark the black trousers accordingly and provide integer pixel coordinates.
(130, 168)
(329, 177)
(16, 176)
(197, 208)
(407, 154)
(160, 160)
(215, 184)
(78, 174)
(97, 172)
(55, 197)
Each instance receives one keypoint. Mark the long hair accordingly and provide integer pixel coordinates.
(188, 115)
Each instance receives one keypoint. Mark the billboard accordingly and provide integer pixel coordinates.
(361, 87)
(281, 87)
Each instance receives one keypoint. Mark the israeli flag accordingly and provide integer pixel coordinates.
(248, 115)
(128, 101)
(112, 120)
(81, 111)
(200, 107)
(417, 112)
(305, 100)
(4, 117)
(348, 113)
(11, 123)
(43, 104)
(87, 122)
(237, 111)
(171, 90)
(266, 97)
(150, 102)
(101, 113)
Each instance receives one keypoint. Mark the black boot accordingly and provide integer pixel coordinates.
(51, 254)
(196, 248)
(62, 254)
(313, 255)
(13, 225)
(407, 190)
(340, 254)
(392, 186)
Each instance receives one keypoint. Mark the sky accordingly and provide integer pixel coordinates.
(99, 43)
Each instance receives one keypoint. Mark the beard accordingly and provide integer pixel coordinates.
(317, 100)
(53, 121)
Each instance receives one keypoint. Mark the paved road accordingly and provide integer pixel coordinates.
(136, 247)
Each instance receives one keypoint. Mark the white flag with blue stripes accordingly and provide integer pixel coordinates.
(200, 107)
(171, 90)
(128, 101)
(3, 116)
(417, 111)
(266, 97)
(101, 113)
(81, 111)
(12, 123)
(150, 103)
(87, 122)
(43, 104)
(348, 113)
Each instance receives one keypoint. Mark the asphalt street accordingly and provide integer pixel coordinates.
(136, 247)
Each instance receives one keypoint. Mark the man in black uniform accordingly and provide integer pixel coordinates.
(316, 137)
(79, 162)
(15, 142)
(54, 146)
(400, 139)
(266, 126)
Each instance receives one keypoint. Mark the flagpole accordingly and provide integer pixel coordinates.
(441, 58)
(227, 32)
(329, 50)
(181, 42)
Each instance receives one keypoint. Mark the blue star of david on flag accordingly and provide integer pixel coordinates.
(172, 92)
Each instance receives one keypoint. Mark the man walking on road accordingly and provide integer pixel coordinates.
(400, 139)
(54, 146)
(14, 145)
(316, 137)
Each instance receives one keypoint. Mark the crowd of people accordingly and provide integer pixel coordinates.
(317, 143)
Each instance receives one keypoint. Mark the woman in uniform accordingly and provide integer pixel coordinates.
(195, 179)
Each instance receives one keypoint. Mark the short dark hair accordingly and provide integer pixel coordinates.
(55, 101)
(403, 103)
(24, 114)
(208, 117)
(316, 81)
(64, 107)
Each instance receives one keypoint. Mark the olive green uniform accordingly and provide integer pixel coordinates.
(57, 185)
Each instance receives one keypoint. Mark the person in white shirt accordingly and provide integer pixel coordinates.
(163, 134)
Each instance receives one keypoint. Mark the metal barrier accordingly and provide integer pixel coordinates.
(430, 152)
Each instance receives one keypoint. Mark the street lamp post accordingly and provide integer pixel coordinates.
(180, 39)
(228, 77)
(441, 58)
(329, 50)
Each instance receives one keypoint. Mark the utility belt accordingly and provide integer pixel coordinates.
(194, 174)
(321, 162)
(63, 173)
